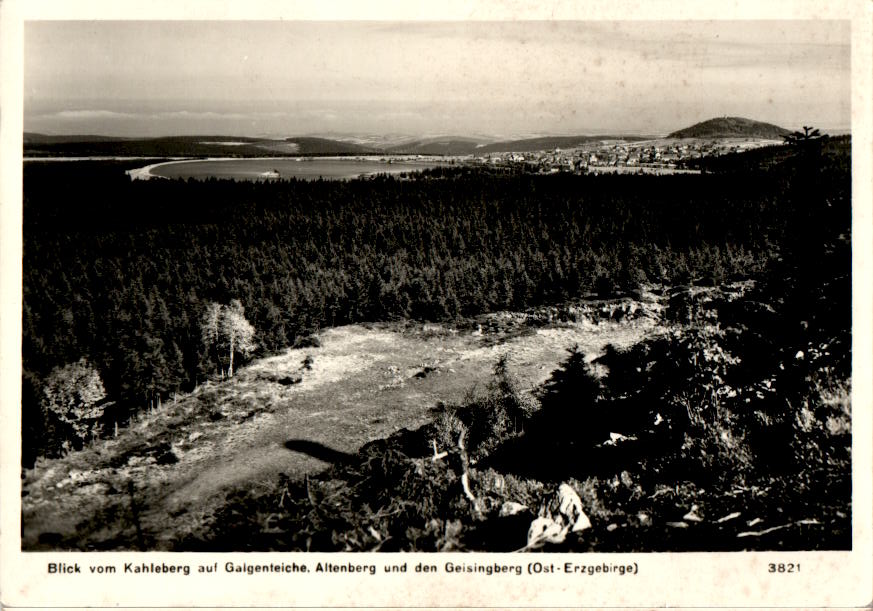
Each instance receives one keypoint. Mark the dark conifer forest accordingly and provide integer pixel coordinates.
(120, 272)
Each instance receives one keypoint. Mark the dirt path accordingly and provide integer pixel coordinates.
(286, 414)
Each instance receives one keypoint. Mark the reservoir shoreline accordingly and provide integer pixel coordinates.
(264, 168)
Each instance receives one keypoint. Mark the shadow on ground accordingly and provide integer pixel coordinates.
(317, 450)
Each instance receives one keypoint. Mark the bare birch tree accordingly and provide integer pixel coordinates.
(226, 329)
(239, 332)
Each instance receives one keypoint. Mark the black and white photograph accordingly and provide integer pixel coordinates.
(528, 286)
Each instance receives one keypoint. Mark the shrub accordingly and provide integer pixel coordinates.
(489, 419)
(74, 394)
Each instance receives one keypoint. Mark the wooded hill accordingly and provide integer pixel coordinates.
(732, 127)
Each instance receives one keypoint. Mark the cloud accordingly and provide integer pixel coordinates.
(200, 115)
(165, 115)
(85, 115)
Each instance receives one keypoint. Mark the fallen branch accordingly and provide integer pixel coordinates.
(729, 516)
(437, 455)
(758, 533)
(465, 462)
(465, 484)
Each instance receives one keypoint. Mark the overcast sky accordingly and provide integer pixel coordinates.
(284, 78)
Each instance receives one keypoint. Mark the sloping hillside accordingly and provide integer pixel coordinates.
(551, 142)
(731, 127)
(290, 414)
(468, 146)
(327, 146)
(443, 145)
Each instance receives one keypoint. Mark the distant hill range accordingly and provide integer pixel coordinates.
(440, 145)
(40, 145)
(33, 139)
(732, 127)
(327, 146)
(453, 145)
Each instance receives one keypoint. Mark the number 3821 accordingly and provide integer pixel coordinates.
(783, 567)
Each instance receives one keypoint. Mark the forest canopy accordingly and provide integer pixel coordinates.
(121, 272)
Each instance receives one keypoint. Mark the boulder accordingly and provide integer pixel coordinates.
(559, 516)
(565, 507)
(692, 515)
(545, 530)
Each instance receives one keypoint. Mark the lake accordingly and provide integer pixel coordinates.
(307, 168)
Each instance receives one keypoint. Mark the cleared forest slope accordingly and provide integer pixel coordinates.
(294, 414)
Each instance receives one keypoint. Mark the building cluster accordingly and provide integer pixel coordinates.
(663, 154)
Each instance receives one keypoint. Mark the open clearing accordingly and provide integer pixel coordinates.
(291, 414)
